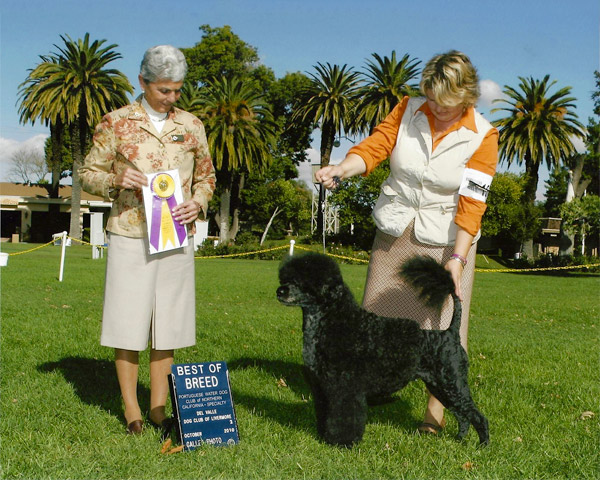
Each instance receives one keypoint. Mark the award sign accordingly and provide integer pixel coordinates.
(202, 404)
(161, 195)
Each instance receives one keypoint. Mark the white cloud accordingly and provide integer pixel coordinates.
(579, 144)
(8, 146)
(490, 91)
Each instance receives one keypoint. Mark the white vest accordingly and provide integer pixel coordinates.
(423, 185)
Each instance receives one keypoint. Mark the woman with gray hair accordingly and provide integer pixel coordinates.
(149, 298)
(443, 155)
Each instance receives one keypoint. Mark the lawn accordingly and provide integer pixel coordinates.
(534, 352)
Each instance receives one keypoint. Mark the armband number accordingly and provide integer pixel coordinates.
(475, 184)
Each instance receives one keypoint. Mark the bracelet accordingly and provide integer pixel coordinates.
(459, 258)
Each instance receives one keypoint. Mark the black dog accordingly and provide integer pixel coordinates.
(350, 353)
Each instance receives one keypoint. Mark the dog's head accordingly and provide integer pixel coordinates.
(310, 279)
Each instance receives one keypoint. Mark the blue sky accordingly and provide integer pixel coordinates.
(505, 39)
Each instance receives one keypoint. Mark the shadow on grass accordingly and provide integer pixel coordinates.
(94, 382)
(300, 415)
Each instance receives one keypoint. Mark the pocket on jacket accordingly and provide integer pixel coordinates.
(389, 214)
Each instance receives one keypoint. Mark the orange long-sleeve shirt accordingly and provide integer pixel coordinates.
(379, 145)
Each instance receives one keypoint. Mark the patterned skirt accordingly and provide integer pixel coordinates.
(387, 294)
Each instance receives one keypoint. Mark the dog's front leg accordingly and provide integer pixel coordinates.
(346, 417)
(319, 400)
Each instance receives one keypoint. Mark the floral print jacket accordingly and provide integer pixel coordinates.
(127, 138)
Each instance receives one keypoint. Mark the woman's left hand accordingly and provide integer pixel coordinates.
(456, 269)
(186, 212)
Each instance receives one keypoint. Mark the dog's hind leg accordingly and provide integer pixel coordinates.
(472, 416)
(459, 401)
(463, 425)
(480, 423)
(467, 414)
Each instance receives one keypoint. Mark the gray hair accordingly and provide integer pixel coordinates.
(163, 62)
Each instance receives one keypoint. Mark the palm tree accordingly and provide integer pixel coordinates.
(387, 82)
(539, 127)
(33, 107)
(190, 99)
(329, 101)
(76, 90)
(240, 132)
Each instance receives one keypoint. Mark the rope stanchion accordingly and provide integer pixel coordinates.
(63, 244)
(540, 269)
(14, 254)
(293, 245)
(354, 259)
(83, 242)
(242, 254)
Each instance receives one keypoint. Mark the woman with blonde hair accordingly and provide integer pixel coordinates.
(443, 156)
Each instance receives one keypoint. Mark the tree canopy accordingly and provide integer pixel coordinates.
(386, 82)
(220, 53)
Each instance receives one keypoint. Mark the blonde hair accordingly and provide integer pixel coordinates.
(451, 79)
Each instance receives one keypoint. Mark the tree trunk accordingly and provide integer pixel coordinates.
(235, 206)
(579, 184)
(327, 139)
(77, 153)
(532, 171)
(264, 235)
(56, 138)
(224, 215)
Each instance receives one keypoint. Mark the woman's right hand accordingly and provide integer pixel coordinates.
(329, 176)
(130, 179)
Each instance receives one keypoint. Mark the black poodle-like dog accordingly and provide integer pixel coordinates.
(350, 353)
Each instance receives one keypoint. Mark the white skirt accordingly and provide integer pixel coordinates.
(148, 297)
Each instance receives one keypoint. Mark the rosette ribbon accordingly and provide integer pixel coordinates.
(163, 201)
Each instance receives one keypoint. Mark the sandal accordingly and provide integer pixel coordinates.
(431, 428)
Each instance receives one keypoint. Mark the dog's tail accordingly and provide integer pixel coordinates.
(434, 284)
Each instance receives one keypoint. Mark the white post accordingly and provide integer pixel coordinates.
(63, 244)
(292, 247)
(96, 233)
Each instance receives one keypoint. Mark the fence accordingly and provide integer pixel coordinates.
(64, 238)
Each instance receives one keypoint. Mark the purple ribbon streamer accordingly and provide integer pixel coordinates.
(156, 220)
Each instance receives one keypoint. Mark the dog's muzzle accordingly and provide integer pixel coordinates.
(282, 292)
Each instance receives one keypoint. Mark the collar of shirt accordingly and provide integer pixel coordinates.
(467, 120)
(158, 119)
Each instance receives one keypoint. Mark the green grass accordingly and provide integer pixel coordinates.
(534, 371)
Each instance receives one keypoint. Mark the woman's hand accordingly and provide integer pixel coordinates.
(330, 176)
(186, 212)
(130, 179)
(456, 269)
